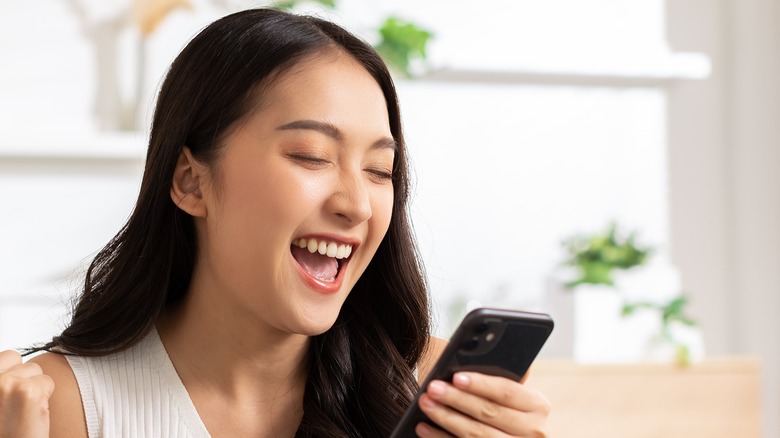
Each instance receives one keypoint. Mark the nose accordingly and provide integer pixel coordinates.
(351, 201)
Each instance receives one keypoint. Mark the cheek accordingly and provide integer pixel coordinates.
(267, 202)
(382, 208)
(239, 197)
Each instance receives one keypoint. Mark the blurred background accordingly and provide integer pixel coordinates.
(615, 164)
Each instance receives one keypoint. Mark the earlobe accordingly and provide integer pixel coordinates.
(186, 190)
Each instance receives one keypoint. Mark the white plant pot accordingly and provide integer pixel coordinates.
(602, 334)
(590, 328)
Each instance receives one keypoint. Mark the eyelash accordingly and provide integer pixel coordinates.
(379, 173)
(309, 159)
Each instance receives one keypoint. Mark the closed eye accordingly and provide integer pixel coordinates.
(381, 174)
(310, 160)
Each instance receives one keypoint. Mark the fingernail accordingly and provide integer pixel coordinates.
(423, 429)
(436, 388)
(461, 380)
(428, 402)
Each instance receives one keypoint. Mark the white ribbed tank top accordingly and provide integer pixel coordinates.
(136, 393)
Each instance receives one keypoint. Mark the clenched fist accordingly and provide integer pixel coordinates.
(24, 398)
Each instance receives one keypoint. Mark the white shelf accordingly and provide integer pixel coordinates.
(545, 78)
(649, 72)
(81, 146)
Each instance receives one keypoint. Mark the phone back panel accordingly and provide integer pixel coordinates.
(491, 341)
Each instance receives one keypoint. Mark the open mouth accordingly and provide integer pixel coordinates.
(321, 259)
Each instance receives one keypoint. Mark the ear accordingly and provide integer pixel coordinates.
(186, 186)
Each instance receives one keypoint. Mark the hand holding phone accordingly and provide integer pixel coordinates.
(489, 341)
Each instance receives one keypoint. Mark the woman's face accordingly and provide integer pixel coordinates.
(310, 170)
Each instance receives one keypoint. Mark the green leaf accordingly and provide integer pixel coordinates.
(685, 321)
(290, 4)
(675, 307)
(401, 42)
(631, 308)
(597, 255)
(683, 355)
(284, 5)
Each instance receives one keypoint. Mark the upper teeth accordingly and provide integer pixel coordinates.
(330, 249)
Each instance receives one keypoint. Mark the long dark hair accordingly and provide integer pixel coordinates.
(360, 376)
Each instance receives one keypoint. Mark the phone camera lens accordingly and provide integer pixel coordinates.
(471, 344)
(483, 327)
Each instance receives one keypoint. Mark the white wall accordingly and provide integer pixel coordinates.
(542, 162)
(725, 180)
(504, 172)
(61, 202)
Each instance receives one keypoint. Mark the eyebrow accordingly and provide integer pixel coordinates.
(333, 132)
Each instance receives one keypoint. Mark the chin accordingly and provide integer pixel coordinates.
(317, 325)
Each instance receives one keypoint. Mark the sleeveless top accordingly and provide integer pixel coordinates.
(136, 393)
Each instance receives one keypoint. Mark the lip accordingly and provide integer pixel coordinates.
(326, 287)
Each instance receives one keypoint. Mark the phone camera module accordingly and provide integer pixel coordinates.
(471, 344)
(482, 328)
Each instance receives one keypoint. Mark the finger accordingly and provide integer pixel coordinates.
(505, 392)
(486, 411)
(454, 422)
(427, 431)
(45, 384)
(24, 405)
(25, 370)
(9, 359)
(25, 389)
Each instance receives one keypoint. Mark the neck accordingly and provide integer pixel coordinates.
(214, 352)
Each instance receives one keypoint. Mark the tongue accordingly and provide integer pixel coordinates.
(318, 266)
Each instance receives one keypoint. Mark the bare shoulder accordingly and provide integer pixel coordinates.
(435, 348)
(65, 407)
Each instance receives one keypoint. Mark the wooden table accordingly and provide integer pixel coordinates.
(712, 399)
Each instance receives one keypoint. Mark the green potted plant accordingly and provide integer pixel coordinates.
(596, 258)
(672, 313)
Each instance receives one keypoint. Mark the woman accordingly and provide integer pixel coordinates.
(267, 282)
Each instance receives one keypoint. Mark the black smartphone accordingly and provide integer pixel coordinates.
(499, 342)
